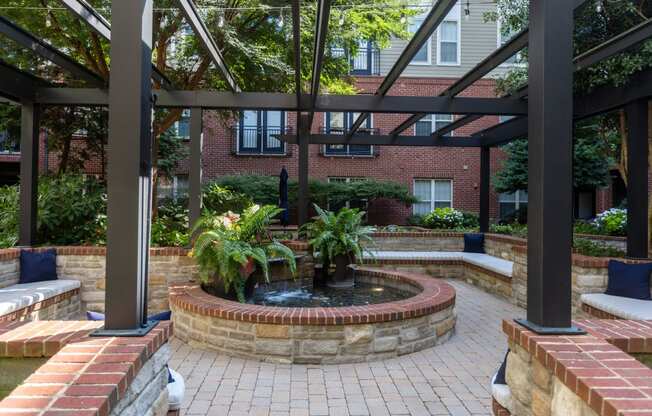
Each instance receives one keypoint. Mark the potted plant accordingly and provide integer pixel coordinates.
(337, 238)
(228, 248)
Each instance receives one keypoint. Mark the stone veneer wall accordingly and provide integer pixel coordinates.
(9, 267)
(418, 241)
(63, 307)
(319, 335)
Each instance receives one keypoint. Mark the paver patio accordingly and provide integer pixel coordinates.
(449, 379)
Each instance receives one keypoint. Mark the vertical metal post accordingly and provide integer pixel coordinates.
(129, 168)
(550, 115)
(303, 130)
(195, 179)
(485, 179)
(637, 179)
(29, 156)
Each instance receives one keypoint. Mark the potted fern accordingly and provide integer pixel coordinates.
(229, 247)
(337, 238)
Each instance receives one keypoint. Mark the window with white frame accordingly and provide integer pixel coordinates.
(510, 204)
(181, 127)
(431, 123)
(432, 193)
(423, 57)
(448, 38)
(361, 204)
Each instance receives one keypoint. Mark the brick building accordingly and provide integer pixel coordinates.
(437, 176)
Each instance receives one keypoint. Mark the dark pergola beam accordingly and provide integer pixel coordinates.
(18, 85)
(504, 132)
(437, 14)
(637, 179)
(195, 176)
(29, 157)
(321, 32)
(206, 39)
(102, 27)
(296, 41)
(385, 140)
(485, 187)
(616, 45)
(459, 123)
(48, 52)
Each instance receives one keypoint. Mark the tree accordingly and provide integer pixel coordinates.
(253, 36)
(595, 23)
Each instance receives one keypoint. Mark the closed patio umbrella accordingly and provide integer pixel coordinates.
(283, 196)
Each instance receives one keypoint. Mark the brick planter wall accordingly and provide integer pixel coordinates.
(87, 375)
(319, 335)
(588, 375)
(418, 241)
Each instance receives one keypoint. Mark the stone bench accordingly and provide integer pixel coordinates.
(491, 273)
(604, 306)
(51, 300)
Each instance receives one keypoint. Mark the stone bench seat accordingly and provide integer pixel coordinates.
(19, 300)
(485, 261)
(616, 306)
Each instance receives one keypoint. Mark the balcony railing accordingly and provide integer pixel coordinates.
(365, 62)
(259, 140)
(7, 145)
(348, 149)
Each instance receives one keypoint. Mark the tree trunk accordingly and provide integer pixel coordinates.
(624, 143)
(65, 155)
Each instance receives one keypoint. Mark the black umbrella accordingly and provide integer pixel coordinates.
(283, 197)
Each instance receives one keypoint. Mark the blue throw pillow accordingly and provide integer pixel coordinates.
(474, 243)
(38, 266)
(97, 316)
(500, 375)
(170, 378)
(629, 280)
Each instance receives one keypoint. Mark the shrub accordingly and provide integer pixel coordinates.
(8, 216)
(515, 229)
(415, 220)
(612, 222)
(470, 220)
(170, 228)
(594, 249)
(220, 200)
(585, 227)
(444, 218)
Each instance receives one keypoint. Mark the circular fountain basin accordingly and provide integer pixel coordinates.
(420, 316)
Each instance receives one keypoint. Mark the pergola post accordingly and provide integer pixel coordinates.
(129, 169)
(303, 134)
(485, 179)
(195, 177)
(550, 127)
(637, 179)
(29, 156)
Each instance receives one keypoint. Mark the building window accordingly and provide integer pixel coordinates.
(174, 189)
(431, 123)
(7, 144)
(340, 123)
(423, 57)
(256, 132)
(448, 38)
(432, 193)
(510, 204)
(181, 127)
(361, 204)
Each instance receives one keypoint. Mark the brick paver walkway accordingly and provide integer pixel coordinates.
(449, 379)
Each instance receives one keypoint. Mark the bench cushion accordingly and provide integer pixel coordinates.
(15, 297)
(502, 394)
(176, 391)
(625, 308)
(629, 280)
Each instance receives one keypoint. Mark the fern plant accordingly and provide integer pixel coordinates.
(227, 244)
(334, 234)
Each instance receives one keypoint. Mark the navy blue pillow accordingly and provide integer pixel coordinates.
(500, 375)
(170, 378)
(629, 280)
(474, 243)
(38, 266)
(97, 316)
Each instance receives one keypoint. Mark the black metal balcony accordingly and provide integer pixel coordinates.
(259, 140)
(8, 145)
(365, 62)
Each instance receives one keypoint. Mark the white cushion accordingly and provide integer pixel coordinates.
(621, 307)
(502, 394)
(19, 296)
(176, 391)
(486, 261)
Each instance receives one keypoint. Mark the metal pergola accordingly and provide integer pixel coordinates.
(544, 111)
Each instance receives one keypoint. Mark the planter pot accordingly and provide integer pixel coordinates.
(342, 277)
(246, 272)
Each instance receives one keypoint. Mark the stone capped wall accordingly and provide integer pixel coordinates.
(9, 267)
(417, 241)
